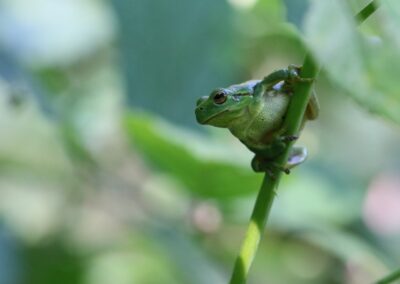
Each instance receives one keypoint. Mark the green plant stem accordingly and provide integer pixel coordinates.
(269, 186)
(266, 195)
(395, 275)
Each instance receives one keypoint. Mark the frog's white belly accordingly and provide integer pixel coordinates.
(260, 122)
(254, 133)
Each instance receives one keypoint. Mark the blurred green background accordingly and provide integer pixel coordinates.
(106, 178)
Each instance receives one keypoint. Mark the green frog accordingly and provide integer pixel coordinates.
(254, 112)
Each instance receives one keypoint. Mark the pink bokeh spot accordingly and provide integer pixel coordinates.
(381, 210)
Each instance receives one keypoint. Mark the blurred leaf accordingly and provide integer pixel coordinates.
(194, 266)
(264, 17)
(323, 222)
(52, 263)
(45, 32)
(287, 48)
(130, 265)
(201, 175)
(363, 67)
(74, 146)
(55, 80)
(330, 205)
(348, 247)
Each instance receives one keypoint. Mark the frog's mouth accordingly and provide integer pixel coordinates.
(213, 116)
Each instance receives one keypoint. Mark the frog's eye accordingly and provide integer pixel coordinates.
(220, 98)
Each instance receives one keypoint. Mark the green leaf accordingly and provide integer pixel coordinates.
(348, 247)
(52, 263)
(173, 151)
(363, 67)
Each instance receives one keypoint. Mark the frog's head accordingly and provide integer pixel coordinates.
(224, 105)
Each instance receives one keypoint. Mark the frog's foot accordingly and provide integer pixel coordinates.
(262, 165)
(294, 74)
(282, 142)
(288, 138)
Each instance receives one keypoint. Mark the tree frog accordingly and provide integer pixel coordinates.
(254, 111)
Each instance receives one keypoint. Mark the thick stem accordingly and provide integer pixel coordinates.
(269, 186)
(255, 230)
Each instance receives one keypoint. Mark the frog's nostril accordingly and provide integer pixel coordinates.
(202, 99)
(200, 108)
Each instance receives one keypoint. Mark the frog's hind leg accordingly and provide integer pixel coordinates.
(312, 110)
(297, 156)
(263, 165)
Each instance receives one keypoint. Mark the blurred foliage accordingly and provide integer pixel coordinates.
(365, 65)
(61, 266)
(105, 178)
(224, 180)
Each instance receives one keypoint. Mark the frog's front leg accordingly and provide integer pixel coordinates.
(289, 75)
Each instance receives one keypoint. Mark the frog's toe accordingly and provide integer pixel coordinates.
(295, 71)
(260, 165)
(289, 138)
(257, 165)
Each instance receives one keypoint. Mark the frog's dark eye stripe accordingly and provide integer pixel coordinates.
(220, 98)
(245, 94)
